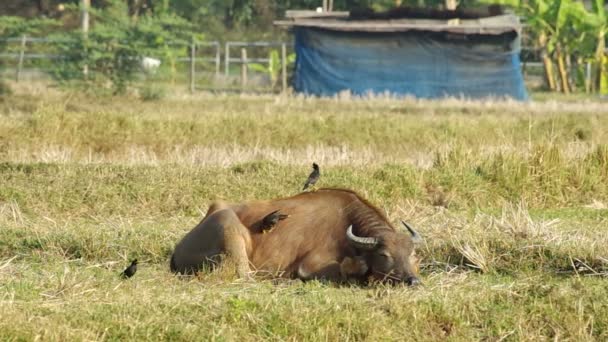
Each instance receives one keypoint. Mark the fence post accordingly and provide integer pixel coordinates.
(284, 66)
(84, 24)
(227, 59)
(244, 67)
(21, 57)
(217, 60)
(588, 77)
(192, 66)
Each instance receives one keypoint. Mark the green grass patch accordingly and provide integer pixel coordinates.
(510, 198)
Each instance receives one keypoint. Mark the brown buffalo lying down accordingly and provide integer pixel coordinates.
(330, 234)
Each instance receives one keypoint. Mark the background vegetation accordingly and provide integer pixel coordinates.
(510, 197)
(569, 36)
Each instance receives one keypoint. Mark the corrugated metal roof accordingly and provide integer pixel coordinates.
(490, 25)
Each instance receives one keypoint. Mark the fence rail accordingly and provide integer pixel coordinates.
(30, 56)
(33, 51)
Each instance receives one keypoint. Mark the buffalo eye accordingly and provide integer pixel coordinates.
(385, 259)
(385, 255)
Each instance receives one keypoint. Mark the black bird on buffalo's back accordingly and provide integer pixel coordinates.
(270, 220)
(313, 177)
(129, 271)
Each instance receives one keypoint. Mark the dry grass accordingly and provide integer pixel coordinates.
(212, 156)
(221, 130)
(509, 197)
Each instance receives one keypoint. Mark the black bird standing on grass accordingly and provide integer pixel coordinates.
(129, 271)
(314, 176)
(270, 220)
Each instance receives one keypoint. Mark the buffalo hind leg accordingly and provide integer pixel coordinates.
(220, 232)
(237, 242)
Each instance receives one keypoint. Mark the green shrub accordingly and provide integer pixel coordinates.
(152, 92)
(5, 89)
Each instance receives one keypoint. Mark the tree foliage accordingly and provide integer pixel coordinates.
(12, 26)
(113, 48)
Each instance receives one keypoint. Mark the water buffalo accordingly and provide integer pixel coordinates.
(331, 234)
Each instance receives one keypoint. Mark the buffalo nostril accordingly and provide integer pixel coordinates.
(413, 281)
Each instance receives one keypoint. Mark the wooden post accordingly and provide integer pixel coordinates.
(243, 67)
(588, 77)
(330, 6)
(284, 66)
(325, 5)
(217, 60)
(21, 56)
(84, 24)
(84, 19)
(450, 4)
(192, 66)
(227, 59)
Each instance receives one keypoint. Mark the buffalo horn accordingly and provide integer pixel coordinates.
(367, 243)
(416, 238)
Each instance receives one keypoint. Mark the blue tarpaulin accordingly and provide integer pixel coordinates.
(422, 64)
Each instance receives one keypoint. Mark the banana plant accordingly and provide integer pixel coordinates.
(572, 23)
(587, 36)
(601, 59)
(273, 69)
(556, 24)
(561, 27)
(540, 16)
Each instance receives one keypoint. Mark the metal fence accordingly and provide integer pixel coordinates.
(197, 65)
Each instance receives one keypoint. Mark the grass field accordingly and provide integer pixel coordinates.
(511, 199)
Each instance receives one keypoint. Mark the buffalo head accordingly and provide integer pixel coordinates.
(390, 255)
